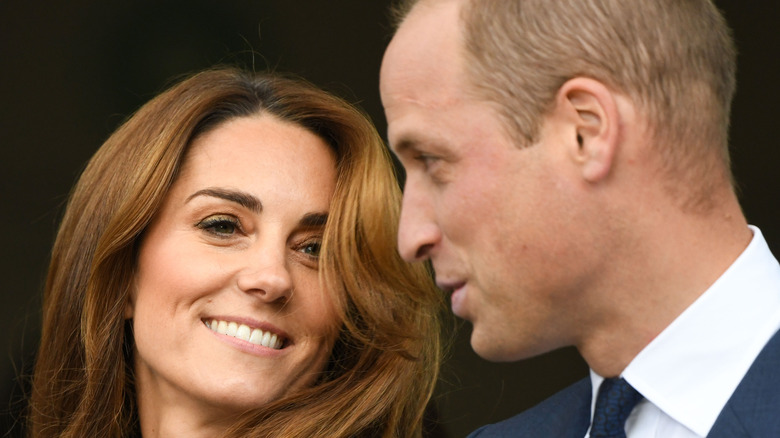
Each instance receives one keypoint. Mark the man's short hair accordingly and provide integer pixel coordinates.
(675, 58)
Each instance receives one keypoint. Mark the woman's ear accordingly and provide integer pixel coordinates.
(130, 306)
(593, 114)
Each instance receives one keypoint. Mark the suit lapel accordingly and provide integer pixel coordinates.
(754, 408)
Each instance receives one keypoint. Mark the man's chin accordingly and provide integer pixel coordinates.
(486, 347)
(490, 348)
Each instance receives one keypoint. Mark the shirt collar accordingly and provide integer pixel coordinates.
(690, 370)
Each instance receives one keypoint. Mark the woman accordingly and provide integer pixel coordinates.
(226, 266)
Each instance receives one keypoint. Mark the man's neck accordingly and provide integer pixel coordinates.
(671, 259)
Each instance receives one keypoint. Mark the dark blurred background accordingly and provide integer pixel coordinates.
(70, 72)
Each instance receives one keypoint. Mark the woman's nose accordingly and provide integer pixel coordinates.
(266, 276)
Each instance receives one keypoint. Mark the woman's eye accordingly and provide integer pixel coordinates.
(311, 249)
(222, 226)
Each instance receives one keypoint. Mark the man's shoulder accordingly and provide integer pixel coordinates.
(754, 408)
(565, 414)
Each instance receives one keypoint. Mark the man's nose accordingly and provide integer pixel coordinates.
(418, 232)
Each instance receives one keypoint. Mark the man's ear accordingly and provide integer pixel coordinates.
(592, 111)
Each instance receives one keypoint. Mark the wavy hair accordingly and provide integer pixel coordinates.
(383, 368)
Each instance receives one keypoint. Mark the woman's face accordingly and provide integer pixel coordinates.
(227, 309)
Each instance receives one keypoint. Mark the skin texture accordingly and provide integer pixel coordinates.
(478, 206)
(573, 240)
(206, 256)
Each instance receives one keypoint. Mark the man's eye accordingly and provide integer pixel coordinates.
(222, 226)
(426, 160)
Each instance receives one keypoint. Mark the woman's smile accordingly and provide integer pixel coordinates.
(239, 231)
(268, 338)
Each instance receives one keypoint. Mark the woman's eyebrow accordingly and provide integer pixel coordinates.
(242, 198)
(313, 220)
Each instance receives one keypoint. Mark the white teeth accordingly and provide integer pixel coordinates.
(257, 336)
(245, 333)
(266, 339)
(232, 329)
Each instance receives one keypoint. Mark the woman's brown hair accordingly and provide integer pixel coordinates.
(382, 370)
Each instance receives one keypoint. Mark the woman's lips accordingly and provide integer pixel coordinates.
(244, 332)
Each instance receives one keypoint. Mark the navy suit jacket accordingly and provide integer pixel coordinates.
(753, 411)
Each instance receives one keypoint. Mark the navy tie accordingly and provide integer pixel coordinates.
(614, 402)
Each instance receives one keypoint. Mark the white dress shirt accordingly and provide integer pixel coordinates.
(689, 371)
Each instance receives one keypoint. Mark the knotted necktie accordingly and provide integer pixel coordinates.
(614, 402)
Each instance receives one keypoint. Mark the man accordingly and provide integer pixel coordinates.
(567, 174)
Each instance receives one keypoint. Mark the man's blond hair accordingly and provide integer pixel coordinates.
(674, 58)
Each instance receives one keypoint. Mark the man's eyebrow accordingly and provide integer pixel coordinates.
(413, 145)
(313, 220)
(244, 199)
(405, 145)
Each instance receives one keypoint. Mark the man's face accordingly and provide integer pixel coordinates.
(496, 220)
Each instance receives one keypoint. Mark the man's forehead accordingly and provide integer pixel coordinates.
(422, 64)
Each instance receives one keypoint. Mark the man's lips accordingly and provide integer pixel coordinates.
(450, 286)
(457, 292)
